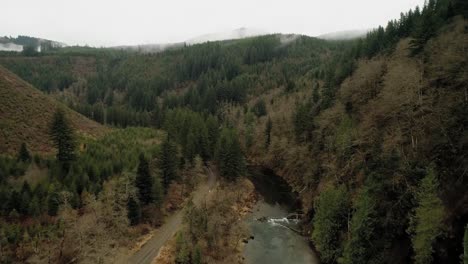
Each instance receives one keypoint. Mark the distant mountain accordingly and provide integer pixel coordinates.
(233, 34)
(149, 48)
(344, 35)
(17, 44)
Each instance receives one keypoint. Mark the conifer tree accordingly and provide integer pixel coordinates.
(268, 128)
(25, 198)
(331, 210)
(315, 93)
(196, 255)
(425, 29)
(158, 190)
(133, 211)
(212, 127)
(23, 154)
(53, 203)
(62, 135)
(465, 246)
(168, 162)
(426, 223)
(144, 182)
(34, 207)
(183, 253)
(229, 155)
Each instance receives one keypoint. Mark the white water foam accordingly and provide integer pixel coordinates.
(282, 221)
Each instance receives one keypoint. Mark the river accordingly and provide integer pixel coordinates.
(274, 239)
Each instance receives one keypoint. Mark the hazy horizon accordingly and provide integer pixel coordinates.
(123, 22)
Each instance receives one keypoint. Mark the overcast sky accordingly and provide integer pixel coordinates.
(122, 22)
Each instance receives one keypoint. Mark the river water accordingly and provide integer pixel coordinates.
(274, 240)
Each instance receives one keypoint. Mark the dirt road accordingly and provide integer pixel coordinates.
(173, 223)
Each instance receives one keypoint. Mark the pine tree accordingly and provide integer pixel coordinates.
(269, 126)
(426, 223)
(53, 203)
(359, 249)
(465, 246)
(191, 146)
(168, 162)
(425, 28)
(259, 109)
(158, 190)
(303, 122)
(62, 135)
(133, 211)
(196, 255)
(229, 155)
(331, 210)
(23, 154)
(183, 253)
(212, 127)
(34, 207)
(144, 182)
(25, 198)
(315, 93)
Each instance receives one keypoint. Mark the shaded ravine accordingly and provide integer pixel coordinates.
(276, 237)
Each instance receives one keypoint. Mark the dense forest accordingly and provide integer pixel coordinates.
(371, 132)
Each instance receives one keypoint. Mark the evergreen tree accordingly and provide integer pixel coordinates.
(331, 210)
(168, 163)
(259, 109)
(359, 249)
(303, 122)
(212, 127)
(268, 128)
(196, 255)
(62, 135)
(30, 50)
(15, 201)
(34, 207)
(426, 223)
(183, 253)
(425, 28)
(53, 203)
(23, 154)
(133, 211)
(158, 191)
(465, 246)
(315, 93)
(25, 198)
(229, 155)
(144, 182)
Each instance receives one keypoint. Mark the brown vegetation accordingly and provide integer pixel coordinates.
(216, 226)
(26, 112)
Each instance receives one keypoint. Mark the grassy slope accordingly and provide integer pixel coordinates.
(25, 115)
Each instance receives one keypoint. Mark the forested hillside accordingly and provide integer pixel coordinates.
(25, 114)
(371, 133)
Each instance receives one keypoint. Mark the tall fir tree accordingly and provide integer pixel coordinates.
(23, 154)
(62, 135)
(269, 126)
(168, 162)
(144, 182)
(133, 211)
(465, 246)
(229, 155)
(53, 203)
(426, 223)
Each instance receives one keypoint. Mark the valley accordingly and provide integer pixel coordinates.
(253, 148)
